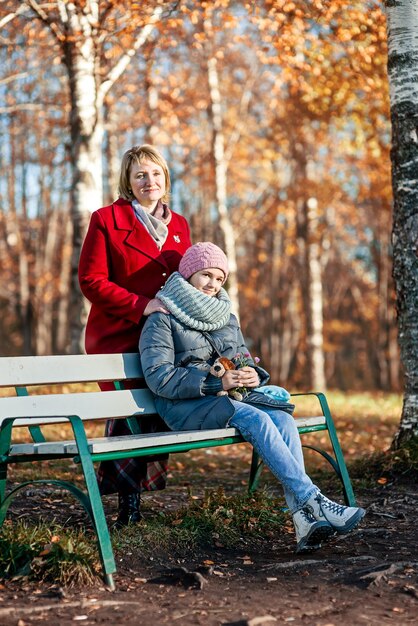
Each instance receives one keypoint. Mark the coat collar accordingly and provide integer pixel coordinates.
(137, 237)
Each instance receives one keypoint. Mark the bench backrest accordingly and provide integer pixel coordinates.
(24, 372)
(44, 370)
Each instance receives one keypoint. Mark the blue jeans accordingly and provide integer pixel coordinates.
(275, 437)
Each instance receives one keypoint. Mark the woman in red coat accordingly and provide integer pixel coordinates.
(132, 246)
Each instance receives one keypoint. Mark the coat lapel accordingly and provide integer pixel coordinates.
(137, 236)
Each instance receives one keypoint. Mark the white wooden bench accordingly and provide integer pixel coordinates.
(33, 405)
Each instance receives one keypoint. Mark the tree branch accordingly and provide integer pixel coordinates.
(10, 16)
(27, 106)
(124, 61)
(9, 79)
(43, 16)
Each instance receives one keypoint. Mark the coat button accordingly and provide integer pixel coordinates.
(164, 273)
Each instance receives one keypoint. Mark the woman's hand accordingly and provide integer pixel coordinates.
(244, 377)
(153, 306)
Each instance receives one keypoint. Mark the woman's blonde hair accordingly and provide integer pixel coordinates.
(136, 154)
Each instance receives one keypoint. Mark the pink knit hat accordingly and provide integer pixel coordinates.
(201, 256)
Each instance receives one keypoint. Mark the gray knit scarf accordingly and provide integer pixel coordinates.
(193, 307)
(154, 223)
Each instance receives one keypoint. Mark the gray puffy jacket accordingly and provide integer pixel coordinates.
(176, 360)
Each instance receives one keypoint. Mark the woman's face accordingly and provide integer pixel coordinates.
(147, 182)
(208, 281)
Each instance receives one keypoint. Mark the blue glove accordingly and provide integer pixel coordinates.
(278, 393)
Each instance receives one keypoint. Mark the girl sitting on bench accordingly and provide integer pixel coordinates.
(177, 351)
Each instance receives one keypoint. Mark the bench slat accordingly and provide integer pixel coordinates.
(133, 442)
(38, 370)
(128, 442)
(88, 406)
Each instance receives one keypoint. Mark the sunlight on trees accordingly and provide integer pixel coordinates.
(302, 183)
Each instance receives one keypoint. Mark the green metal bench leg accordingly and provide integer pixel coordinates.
(326, 456)
(35, 431)
(97, 512)
(91, 501)
(349, 497)
(5, 439)
(255, 472)
(3, 477)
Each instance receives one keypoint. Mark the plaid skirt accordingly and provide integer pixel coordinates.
(133, 475)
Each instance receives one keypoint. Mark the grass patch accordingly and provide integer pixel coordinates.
(406, 458)
(216, 520)
(388, 463)
(70, 558)
(48, 554)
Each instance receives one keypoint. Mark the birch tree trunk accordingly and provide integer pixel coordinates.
(309, 240)
(402, 28)
(315, 338)
(44, 290)
(87, 133)
(17, 232)
(112, 160)
(77, 32)
(63, 323)
(220, 166)
(220, 160)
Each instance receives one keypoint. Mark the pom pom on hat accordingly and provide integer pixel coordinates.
(201, 256)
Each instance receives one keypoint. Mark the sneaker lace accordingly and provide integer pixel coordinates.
(307, 515)
(333, 507)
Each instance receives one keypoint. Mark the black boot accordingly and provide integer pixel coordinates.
(128, 511)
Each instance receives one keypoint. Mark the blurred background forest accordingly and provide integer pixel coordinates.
(274, 118)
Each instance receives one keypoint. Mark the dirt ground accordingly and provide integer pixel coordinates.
(367, 577)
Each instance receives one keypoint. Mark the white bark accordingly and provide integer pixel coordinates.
(44, 285)
(221, 181)
(62, 331)
(402, 27)
(315, 297)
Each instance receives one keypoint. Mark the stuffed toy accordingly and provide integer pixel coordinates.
(218, 369)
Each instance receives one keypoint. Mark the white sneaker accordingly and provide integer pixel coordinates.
(309, 531)
(342, 518)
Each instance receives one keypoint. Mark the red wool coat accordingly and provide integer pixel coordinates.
(120, 270)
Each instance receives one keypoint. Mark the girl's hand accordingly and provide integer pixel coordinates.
(248, 377)
(230, 380)
(244, 377)
(153, 306)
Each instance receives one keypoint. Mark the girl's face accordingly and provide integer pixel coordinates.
(147, 182)
(208, 281)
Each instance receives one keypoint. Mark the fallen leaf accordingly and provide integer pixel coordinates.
(261, 619)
